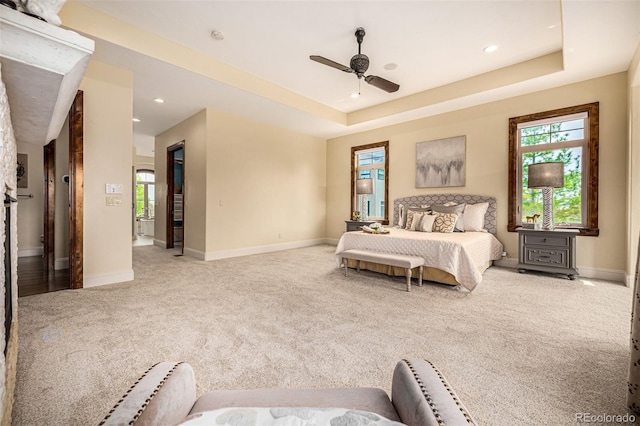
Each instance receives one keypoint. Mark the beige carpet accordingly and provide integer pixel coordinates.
(522, 349)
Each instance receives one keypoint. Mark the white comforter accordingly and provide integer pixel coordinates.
(458, 253)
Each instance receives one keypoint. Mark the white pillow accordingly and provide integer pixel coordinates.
(473, 217)
(401, 216)
(427, 223)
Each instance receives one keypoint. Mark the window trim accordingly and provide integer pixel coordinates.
(354, 173)
(591, 175)
(146, 209)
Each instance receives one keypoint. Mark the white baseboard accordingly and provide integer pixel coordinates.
(224, 254)
(62, 263)
(32, 251)
(159, 243)
(585, 271)
(332, 241)
(506, 262)
(98, 280)
(629, 280)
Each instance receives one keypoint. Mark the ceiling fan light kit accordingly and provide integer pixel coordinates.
(359, 65)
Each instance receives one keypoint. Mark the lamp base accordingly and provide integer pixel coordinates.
(547, 208)
(365, 210)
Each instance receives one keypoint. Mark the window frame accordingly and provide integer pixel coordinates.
(146, 208)
(354, 176)
(590, 171)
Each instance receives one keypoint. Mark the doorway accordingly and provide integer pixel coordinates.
(175, 225)
(42, 274)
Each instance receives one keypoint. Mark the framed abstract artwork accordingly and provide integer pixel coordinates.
(441, 163)
(22, 170)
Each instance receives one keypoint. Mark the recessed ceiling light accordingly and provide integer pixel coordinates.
(136, 120)
(552, 26)
(158, 100)
(491, 48)
(390, 66)
(355, 95)
(217, 35)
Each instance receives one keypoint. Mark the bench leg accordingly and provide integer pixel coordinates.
(408, 279)
(358, 267)
(420, 276)
(345, 264)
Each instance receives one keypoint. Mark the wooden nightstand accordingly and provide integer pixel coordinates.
(548, 251)
(356, 225)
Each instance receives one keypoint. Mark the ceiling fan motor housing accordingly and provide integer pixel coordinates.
(360, 64)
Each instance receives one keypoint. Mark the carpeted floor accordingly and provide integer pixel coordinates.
(522, 349)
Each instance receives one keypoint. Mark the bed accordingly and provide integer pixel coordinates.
(456, 258)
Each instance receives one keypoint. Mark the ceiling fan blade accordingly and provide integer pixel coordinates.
(330, 63)
(381, 83)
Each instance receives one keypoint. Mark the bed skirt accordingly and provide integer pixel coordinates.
(428, 273)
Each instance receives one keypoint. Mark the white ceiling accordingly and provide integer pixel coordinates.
(433, 43)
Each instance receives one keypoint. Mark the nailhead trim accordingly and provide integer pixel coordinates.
(146, 402)
(428, 398)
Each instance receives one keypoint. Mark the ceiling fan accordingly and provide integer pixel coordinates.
(358, 66)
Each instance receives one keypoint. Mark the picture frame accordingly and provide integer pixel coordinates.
(441, 163)
(22, 171)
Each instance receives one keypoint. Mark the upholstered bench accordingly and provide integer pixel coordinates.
(166, 395)
(399, 260)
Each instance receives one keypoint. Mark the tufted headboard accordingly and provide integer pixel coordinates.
(490, 218)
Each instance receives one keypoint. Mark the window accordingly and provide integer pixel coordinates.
(568, 135)
(145, 194)
(371, 162)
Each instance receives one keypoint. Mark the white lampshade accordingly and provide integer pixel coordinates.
(364, 186)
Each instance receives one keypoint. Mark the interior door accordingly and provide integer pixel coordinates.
(49, 207)
(175, 225)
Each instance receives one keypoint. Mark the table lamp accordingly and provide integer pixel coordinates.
(546, 176)
(364, 187)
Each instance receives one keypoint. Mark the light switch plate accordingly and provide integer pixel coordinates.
(113, 188)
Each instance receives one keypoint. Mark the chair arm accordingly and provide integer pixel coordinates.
(163, 395)
(422, 396)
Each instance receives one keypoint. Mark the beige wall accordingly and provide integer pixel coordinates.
(486, 129)
(31, 210)
(193, 132)
(248, 185)
(265, 185)
(144, 162)
(61, 220)
(108, 106)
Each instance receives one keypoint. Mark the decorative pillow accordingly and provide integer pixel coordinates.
(473, 218)
(287, 416)
(427, 223)
(457, 209)
(444, 222)
(417, 219)
(400, 216)
(410, 212)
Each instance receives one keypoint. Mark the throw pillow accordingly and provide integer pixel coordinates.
(410, 212)
(400, 216)
(457, 209)
(415, 223)
(444, 222)
(473, 218)
(427, 223)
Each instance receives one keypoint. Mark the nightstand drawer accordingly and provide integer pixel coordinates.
(534, 256)
(547, 240)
